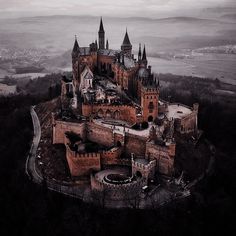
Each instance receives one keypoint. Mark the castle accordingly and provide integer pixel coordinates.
(112, 116)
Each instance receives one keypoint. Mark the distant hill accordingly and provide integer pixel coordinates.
(229, 16)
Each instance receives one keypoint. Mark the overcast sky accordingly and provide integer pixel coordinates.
(109, 7)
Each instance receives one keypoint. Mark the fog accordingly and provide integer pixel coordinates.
(173, 43)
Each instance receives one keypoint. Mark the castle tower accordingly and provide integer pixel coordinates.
(101, 36)
(75, 51)
(126, 46)
(149, 102)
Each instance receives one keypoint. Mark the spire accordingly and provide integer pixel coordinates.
(101, 29)
(76, 45)
(107, 44)
(144, 54)
(101, 36)
(75, 50)
(139, 53)
(126, 41)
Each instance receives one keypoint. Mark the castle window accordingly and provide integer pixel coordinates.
(151, 106)
(147, 97)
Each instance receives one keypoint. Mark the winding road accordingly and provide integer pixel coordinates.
(35, 175)
(31, 159)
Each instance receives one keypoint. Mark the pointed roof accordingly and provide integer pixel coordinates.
(76, 45)
(144, 58)
(101, 29)
(107, 44)
(126, 41)
(139, 51)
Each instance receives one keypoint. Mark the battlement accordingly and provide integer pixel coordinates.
(150, 89)
(143, 164)
(117, 191)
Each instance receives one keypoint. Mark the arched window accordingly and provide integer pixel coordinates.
(108, 114)
(117, 115)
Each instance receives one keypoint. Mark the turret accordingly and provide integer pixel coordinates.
(139, 53)
(144, 58)
(101, 36)
(75, 51)
(107, 45)
(126, 46)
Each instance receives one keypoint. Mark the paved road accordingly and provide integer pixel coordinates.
(36, 176)
(31, 160)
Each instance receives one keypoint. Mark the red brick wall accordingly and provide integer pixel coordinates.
(135, 144)
(82, 164)
(100, 134)
(60, 127)
(127, 113)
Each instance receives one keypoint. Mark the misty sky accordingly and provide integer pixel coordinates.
(109, 7)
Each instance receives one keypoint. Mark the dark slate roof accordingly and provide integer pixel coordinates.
(76, 46)
(126, 41)
(101, 29)
(143, 73)
(108, 52)
(144, 54)
(84, 51)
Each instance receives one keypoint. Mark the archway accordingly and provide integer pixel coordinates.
(150, 119)
(138, 174)
(118, 144)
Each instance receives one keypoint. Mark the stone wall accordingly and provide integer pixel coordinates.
(147, 170)
(135, 144)
(188, 124)
(61, 127)
(99, 134)
(110, 157)
(117, 191)
(164, 155)
(118, 112)
(82, 164)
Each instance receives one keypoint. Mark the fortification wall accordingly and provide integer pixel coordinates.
(163, 155)
(188, 124)
(110, 157)
(147, 171)
(99, 134)
(119, 112)
(60, 127)
(82, 164)
(135, 144)
(117, 191)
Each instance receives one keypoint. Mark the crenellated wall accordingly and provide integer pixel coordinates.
(61, 127)
(82, 164)
(147, 170)
(111, 157)
(117, 191)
